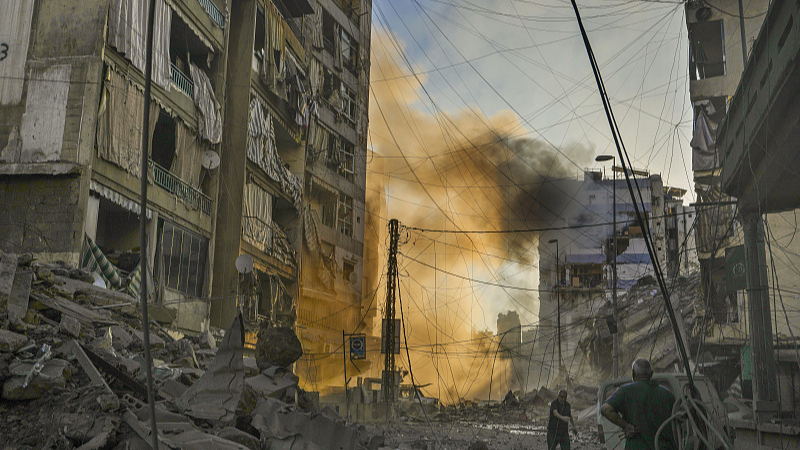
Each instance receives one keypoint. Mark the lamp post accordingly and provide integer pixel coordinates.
(615, 335)
(558, 304)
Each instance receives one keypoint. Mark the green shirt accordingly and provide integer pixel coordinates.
(646, 405)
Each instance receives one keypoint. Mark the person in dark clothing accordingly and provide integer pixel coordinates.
(640, 408)
(557, 426)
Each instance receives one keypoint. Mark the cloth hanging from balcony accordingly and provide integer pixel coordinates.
(310, 229)
(319, 140)
(273, 70)
(315, 75)
(257, 217)
(714, 231)
(261, 150)
(209, 118)
(704, 145)
(189, 150)
(127, 30)
(337, 46)
(316, 35)
(119, 124)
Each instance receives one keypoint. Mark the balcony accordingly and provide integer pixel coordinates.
(182, 190)
(213, 12)
(181, 81)
(270, 239)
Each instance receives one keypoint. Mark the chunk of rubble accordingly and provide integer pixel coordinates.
(285, 428)
(216, 394)
(70, 326)
(277, 346)
(53, 375)
(11, 342)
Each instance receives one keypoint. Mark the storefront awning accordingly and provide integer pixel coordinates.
(118, 199)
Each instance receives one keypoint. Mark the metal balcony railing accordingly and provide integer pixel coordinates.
(181, 81)
(213, 12)
(174, 185)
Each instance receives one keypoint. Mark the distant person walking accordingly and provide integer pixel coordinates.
(557, 426)
(639, 408)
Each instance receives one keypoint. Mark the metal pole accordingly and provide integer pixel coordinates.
(741, 29)
(614, 281)
(765, 390)
(344, 364)
(148, 75)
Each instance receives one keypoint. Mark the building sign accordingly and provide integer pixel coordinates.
(358, 347)
(735, 271)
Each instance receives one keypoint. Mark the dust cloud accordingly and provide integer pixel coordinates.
(448, 172)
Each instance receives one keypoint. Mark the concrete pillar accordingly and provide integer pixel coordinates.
(765, 390)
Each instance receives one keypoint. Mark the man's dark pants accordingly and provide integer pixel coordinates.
(554, 439)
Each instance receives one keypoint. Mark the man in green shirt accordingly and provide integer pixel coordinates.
(639, 408)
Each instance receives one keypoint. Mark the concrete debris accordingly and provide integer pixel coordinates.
(70, 326)
(53, 375)
(277, 346)
(10, 341)
(217, 393)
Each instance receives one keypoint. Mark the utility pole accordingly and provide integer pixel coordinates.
(558, 305)
(765, 390)
(615, 310)
(391, 286)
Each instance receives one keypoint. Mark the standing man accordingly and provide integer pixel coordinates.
(639, 408)
(557, 428)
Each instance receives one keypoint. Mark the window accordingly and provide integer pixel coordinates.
(347, 272)
(348, 102)
(347, 160)
(163, 147)
(349, 52)
(345, 215)
(707, 47)
(184, 256)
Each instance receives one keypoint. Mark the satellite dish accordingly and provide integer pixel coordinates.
(244, 264)
(210, 160)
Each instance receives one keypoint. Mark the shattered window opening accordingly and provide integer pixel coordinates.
(707, 50)
(345, 215)
(184, 257)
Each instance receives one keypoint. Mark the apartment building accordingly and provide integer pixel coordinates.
(71, 90)
(332, 300)
(576, 255)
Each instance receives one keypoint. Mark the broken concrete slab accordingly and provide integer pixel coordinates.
(8, 267)
(240, 437)
(11, 342)
(263, 386)
(96, 443)
(53, 376)
(20, 292)
(70, 326)
(162, 314)
(277, 346)
(155, 340)
(216, 394)
(84, 427)
(292, 429)
(121, 338)
(84, 315)
(90, 369)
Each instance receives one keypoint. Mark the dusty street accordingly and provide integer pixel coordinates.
(475, 435)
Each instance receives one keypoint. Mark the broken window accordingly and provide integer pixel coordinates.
(347, 160)
(345, 214)
(707, 50)
(349, 52)
(163, 148)
(185, 48)
(328, 36)
(348, 269)
(259, 47)
(348, 97)
(183, 255)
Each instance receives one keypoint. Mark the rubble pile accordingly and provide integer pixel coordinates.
(72, 373)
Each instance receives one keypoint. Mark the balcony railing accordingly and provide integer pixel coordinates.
(181, 81)
(174, 185)
(213, 12)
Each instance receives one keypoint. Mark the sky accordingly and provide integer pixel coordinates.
(474, 105)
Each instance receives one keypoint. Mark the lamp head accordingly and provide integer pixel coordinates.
(552, 241)
(603, 158)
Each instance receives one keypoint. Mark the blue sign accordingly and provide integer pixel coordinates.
(358, 347)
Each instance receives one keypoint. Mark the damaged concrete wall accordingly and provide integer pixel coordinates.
(49, 93)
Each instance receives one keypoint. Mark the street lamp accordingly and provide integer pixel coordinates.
(558, 304)
(615, 334)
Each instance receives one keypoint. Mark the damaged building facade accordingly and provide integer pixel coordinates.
(257, 168)
(70, 132)
(576, 259)
(743, 93)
